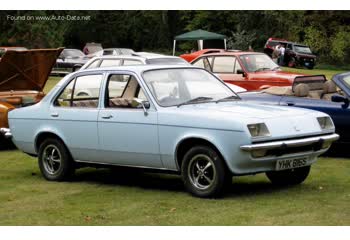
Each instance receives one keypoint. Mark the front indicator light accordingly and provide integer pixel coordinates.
(325, 123)
(258, 130)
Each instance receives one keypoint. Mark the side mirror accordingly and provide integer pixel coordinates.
(240, 71)
(340, 98)
(137, 103)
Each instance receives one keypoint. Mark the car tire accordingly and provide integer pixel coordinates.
(204, 172)
(54, 160)
(289, 177)
(292, 62)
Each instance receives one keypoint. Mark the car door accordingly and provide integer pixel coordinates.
(74, 113)
(128, 134)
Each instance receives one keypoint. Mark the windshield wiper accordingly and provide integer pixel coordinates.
(262, 69)
(194, 100)
(232, 97)
(275, 68)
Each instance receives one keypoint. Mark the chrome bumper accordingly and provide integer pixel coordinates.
(291, 143)
(6, 132)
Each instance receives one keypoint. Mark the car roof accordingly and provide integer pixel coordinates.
(231, 53)
(138, 69)
(136, 57)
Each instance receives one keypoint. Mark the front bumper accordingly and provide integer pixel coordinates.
(285, 144)
(6, 132)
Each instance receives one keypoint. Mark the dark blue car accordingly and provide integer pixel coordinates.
(313, 92)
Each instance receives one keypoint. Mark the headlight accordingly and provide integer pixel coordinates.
(258, 130)
(325, 123)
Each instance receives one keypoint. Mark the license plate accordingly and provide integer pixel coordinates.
(291, 163)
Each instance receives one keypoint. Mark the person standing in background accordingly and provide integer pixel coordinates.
(282, 49)
(275, 54)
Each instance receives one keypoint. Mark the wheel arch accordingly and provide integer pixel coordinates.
(185, 144)
(40, 137)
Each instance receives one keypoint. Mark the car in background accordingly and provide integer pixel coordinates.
(68, 61)
(191, 124)
(112, 52)
(135, 59)
(299, 55)
(92, 47)
(249, 70)
(23, 75)
(191, 56)
(316, 93)
(296, 55)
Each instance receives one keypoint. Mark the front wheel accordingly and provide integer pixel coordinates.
(292, 62)
(55, 162)
(289, 177)
(204, 172)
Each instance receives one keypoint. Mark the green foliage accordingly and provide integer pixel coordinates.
(240, 40)
(340, 44)
(326, 32)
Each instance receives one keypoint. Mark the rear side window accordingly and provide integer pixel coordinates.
(83, 91)
(203, 63)
(223, 64)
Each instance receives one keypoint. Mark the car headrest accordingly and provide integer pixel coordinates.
(329, 87)
(301, 90)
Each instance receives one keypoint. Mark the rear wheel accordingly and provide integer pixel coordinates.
(289, 177)
(204, 172)
(55, 162)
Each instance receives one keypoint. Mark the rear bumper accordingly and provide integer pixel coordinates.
(6, 132)
(319, 140)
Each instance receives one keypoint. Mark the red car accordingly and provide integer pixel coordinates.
(249, 70)
(190, 56)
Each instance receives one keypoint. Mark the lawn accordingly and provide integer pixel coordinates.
(103, 197)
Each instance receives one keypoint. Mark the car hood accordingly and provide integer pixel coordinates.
(245, 109)
(275, 75)
(282, 122)
(27, 70)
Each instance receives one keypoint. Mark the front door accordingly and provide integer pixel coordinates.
(128, 135)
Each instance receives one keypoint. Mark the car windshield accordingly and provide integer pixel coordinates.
(166, 61)
(258, 62)
(73, 53)
(302, 49)
(179, 86)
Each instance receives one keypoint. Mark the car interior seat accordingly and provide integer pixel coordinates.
(301, 90)
(329, 88)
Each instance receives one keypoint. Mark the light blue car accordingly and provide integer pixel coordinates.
(177, 118)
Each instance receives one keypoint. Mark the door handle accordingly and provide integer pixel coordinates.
(54, 114)
(290, 103)
(107, 116)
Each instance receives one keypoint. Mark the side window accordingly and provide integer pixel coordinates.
(129, 62)
(110, 62)
(223, 64)
(203, 63)
(94, 64)
(237, 66)
(199, 63)
(121, 90)
(83, 91)
(289, 46)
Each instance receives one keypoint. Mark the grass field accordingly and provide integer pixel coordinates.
(103, 197)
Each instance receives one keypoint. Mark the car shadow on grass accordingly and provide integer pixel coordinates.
(168, 182)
